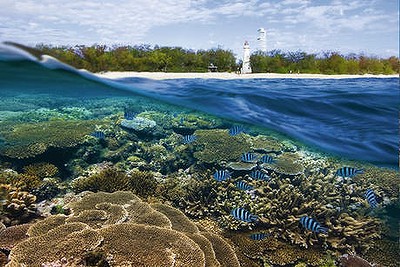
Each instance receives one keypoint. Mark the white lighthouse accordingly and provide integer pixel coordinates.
(262, 39)
(246, 68)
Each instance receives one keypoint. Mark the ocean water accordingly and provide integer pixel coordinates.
(355, 119)
(327, 140)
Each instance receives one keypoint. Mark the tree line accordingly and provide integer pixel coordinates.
(99, 58)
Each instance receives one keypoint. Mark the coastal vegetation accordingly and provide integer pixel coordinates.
(99, 58)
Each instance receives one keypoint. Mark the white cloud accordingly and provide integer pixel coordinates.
(290, 23)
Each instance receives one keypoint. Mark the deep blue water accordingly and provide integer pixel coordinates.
(351, 118)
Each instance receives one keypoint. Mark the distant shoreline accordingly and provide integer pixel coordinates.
(229, 76)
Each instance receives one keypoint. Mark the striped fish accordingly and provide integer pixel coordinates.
(98, 134)
(248, 157)
(371, 198)
(259, 175)
(243, 215)
(187, 139)
(242, 185)
(348, 171)
(129, 114)
(313, 225)
(258, 236)
(267, 159)
(236, 129)
(222, 175)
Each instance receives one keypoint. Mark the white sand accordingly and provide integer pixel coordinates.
(229, 76)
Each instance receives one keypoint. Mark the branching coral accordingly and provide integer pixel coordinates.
(111, 180)
(16, 206)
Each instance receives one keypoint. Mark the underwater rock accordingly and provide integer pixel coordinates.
(139, 124)
(347, 260)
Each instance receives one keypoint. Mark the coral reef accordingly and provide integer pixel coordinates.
(348, 260)
(62, 240)
(12, 235)
(215, 146)
(31, 139)
(383, 253)
(111, 180)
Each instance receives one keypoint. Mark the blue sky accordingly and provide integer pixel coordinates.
(368, 26)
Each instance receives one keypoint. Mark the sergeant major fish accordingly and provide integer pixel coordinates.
(187, 139)
(236, 129)
(98, 134)
(243, 215)
(313, 225)
(259, 175)
(258, 236)
(371, 198)
(242, 185)
(348, 171)
(222, 175)
(248, 157)
(267, 159)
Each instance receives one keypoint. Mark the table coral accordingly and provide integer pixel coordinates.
(60, 240)
(12, 235)
(217, 145)
(31, 139)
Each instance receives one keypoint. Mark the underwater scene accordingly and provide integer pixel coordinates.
(138, 172)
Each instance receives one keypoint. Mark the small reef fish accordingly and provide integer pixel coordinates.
(371, 198)
(313, 225)
(98, 134)
(259, 175)
(267, 159)
(348, 171)
(248, 157)
(187, 139)
(129, 115)
(222, 175)
(243, 215)
(258, 236)
(242, 185)
(236, 129)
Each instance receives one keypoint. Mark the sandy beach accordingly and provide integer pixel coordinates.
(229, 76)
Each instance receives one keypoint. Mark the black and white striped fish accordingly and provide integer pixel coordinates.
(98, 134)
(236, 129)
(187, 139)
(267, 159)
(248, 157)
(258, 236)
(242, 185)
(222, 175)
(348, 171)
(313, 225)
(259, 175)
(243, 215)
(371, 198)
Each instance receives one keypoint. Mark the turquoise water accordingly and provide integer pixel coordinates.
(351, 118)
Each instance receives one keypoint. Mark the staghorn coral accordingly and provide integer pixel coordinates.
(217, 145)
(111, 180)
(31, 139)
(41, 170)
